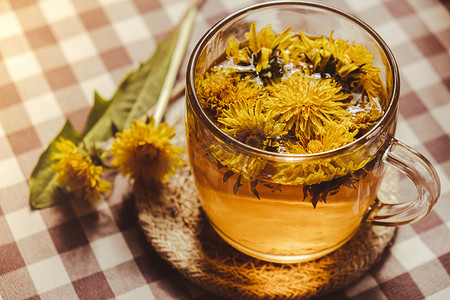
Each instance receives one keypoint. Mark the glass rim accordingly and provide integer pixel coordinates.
(249, 150)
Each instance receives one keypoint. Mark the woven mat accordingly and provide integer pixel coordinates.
(174, 223)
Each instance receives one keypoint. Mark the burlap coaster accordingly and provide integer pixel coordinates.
(174, 223)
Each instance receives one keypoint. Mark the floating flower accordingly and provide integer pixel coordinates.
(217, 90)
(263, 49)
(314, 172)
(350, 64)
(144, 151)
(365, 115)
(77, 173)
(246, 121)
(247, 168)
(333, 137)
(307, 104)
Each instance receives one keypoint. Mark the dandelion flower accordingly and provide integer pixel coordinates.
(144, 151)
(334, 136)
(238, 55)
(246, 121)
(314, 172)
(307, 104)
(217, 90)
(247, 167)
(77, 173)
(365, 117)
(351, 64)
(263, 49)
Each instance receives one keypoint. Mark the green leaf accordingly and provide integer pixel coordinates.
(146, 97)
(98, 110)
(44, 188)
(136, 95)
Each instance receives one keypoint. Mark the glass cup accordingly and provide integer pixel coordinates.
(267, 204)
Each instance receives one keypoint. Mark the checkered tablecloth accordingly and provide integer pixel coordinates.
(55, 53)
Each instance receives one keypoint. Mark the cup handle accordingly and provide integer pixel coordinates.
(421, 173)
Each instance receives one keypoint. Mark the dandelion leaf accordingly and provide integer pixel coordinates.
(143, 88)
(136, 95)
(98, 111)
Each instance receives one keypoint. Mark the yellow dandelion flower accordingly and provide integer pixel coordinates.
(144, 151)
(248, 168)
(307, 104)
(240, 56)
(314, 172)
(309, 173)
(295, 147)
(315, 146)
(246, 121)
(365, 112)
(217, 90)
(351, 64)
(334, 136)
(306, 173)
(77, 173)
(262, 48)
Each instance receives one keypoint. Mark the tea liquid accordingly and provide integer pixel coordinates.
(279, 226)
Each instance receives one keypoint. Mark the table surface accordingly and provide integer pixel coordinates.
(55, 53)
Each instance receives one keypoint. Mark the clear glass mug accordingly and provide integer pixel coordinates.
(255, 199)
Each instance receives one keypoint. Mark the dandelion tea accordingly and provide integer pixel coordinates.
(287, 93)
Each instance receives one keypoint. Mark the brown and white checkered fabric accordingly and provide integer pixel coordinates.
(55, 53)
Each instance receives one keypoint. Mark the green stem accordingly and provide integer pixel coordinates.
(177, 58)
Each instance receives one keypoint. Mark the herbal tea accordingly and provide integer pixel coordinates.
(287, 93)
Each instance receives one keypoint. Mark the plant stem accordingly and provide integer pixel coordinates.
(177, 58)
